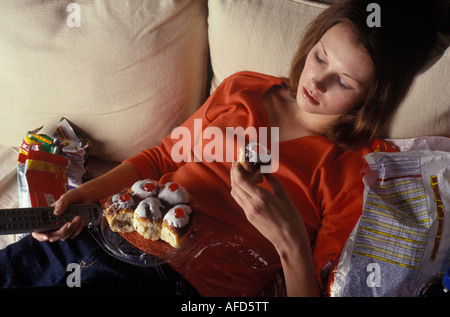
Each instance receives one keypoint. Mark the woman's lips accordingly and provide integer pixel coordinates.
(309, 98)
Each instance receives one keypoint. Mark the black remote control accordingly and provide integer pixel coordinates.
(41, 219)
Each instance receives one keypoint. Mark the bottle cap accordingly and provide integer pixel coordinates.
(446, 280)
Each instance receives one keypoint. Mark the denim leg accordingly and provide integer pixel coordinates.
(30, 263)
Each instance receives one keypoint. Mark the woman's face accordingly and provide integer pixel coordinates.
(337, 74)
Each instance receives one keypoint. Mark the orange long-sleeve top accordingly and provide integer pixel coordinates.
(229, 256)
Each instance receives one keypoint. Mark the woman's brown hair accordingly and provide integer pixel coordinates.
(397, 49)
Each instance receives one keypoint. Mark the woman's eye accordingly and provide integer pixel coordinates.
(342, 85)
(317, 58)
(339, 81)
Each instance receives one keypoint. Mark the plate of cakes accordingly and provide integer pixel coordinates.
(147, 223)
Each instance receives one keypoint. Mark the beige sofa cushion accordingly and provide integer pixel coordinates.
(260, 36)
(132, 71)
(263, 36)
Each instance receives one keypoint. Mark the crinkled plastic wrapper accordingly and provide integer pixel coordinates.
(42, 178)
(74, 148)
(41, 173)
(48, 166)
(402, 238)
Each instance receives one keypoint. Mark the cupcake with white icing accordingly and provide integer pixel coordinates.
(174, 194)
(145, 188)
(120, 213)
(175, 226)
(147, 218)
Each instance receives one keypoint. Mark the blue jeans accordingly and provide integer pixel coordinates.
(29, 263)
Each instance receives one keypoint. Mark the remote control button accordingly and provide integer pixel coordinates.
(45, 218)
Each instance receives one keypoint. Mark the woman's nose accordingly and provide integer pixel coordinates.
(319, 84)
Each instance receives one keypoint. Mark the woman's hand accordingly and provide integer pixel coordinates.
(111, 182)
(272, 213)
(71, 229)
(276, 218)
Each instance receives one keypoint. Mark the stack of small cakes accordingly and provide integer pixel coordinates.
(157, 212)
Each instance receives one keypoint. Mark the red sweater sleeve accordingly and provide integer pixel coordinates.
(155, 162)
(226, 107)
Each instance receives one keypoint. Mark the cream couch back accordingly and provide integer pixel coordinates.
(135, 69)
(126, 76)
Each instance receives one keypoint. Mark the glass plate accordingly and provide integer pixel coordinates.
(116, 245)
(121, 246)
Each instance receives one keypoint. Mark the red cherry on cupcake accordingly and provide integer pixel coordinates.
(173, 187)
(124, 197)
(178, 213)
(149, 187)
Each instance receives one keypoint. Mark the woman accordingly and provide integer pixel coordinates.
(341, 90)
(340, 93)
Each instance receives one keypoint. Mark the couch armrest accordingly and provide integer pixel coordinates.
(8, 185)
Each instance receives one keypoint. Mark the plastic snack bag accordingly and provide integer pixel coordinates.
(38, 142)
(74, 148)
(42, 178)
(49, 166)
(41, 174)
(402, 239)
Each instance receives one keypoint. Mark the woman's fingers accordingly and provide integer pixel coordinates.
(252, 198)
(71, 197)
(69, 230)
(40, 236)
(242, 180)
